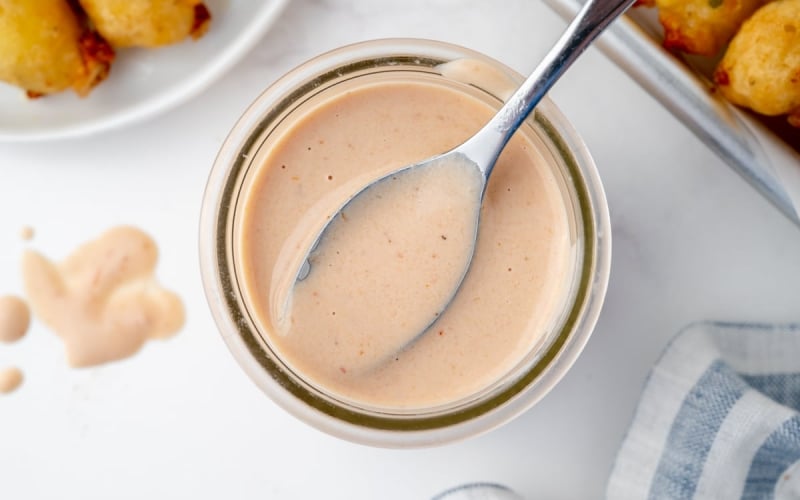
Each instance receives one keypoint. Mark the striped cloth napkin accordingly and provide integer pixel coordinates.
(718, 418)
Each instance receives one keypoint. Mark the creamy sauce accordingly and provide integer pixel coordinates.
(15, 317)
(10, 379)
(509, 301)
(103, 300)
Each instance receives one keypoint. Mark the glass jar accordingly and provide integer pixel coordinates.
(522, 385)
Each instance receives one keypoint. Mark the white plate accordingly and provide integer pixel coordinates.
(142, 82)
(765, 160)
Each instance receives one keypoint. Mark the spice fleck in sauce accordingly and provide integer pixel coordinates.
(348, 343)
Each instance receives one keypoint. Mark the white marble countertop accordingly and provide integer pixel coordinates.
(180, 420)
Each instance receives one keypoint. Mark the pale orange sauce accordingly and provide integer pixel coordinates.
(103, 301)
(27, 233)
(341, 334)
(15, 317)
(10, 379)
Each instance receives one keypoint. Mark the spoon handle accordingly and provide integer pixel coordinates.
(485, 146)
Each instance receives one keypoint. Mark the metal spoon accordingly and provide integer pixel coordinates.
(482, 150)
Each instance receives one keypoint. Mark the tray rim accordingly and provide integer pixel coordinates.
(764, 160)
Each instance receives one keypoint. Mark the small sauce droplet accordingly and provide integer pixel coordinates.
(10, 379)
(15, 317)
(26, 233)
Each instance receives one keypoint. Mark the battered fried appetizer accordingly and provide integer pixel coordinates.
(702, 26)
(45, 48)
(147, 23)
(761, 68)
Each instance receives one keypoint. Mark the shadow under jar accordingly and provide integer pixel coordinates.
(528, 302)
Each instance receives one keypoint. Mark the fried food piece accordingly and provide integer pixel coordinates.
(45, 48)
(147, 23)
(761, 68)
(702, 26)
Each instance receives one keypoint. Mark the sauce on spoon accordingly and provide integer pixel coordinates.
(403, 246)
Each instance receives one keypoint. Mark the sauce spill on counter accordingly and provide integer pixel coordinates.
(103, 301)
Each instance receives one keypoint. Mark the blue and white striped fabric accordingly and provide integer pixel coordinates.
(719, 418)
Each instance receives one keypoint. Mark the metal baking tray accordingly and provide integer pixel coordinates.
(766, 152)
